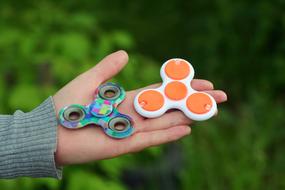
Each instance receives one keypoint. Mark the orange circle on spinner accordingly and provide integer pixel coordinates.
(177, 69)
(199, 103)
(175, 90)
(151, 100)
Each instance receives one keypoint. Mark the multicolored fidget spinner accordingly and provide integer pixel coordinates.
(176, 93)
(102, 111)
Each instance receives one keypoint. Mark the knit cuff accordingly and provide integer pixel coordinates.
(28, 143)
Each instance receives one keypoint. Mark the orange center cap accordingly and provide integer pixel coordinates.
(199, 103)
(175, 90)
(151, 100)
(177, 69)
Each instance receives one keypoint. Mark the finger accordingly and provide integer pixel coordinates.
(201, 84)
(156, 85)
(197, 84)
(147, 139)
(107, 68)
(219, 95)
(167, 120)
(131, 94)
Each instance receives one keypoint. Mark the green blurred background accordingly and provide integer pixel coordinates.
(239, 45)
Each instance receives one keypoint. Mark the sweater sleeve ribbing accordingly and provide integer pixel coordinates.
(28, 143)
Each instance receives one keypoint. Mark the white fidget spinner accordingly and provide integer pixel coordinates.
(175, 93)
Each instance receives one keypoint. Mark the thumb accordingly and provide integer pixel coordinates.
(107, 68)
(82, 88)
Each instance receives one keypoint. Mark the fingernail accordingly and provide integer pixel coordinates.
(211, 85)
(225, 97)
(188, 130)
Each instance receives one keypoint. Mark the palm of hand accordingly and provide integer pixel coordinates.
(91, 143)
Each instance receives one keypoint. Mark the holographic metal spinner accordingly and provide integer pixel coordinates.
(102, 111)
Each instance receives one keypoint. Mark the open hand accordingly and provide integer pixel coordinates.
(91, 143)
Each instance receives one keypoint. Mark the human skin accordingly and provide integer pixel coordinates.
(90, 143)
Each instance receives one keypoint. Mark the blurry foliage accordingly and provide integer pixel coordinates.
(239, 45)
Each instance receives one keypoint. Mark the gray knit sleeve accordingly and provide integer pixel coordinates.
(28, 143)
